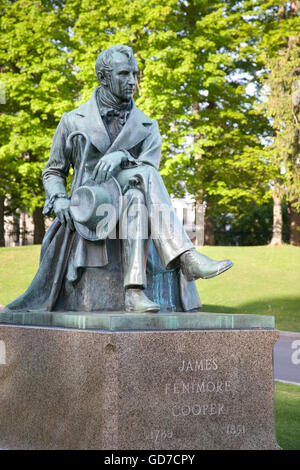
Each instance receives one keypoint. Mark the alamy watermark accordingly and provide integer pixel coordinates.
(295, 358)
(136, 221)
(2, 352)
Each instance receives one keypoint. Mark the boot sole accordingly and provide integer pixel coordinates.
(148, 310)
(217, 273)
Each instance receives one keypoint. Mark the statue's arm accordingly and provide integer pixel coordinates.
(56, 170)
(149, 154)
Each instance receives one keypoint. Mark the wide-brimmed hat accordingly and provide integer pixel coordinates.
(95, 208)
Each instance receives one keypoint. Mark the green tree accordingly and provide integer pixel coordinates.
(196, 60)
(280, 53)
(251, 226)
(40, 85)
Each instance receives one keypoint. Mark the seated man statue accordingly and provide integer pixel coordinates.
(125, 147)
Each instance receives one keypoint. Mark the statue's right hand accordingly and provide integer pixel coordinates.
(62, 210)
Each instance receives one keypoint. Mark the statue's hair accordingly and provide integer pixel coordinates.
(105, 58)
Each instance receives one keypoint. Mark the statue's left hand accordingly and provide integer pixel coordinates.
(107, 165)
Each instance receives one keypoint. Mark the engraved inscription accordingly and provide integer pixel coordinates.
(158, 435)
(197, 387)
(2, 352)
(235, 429)
(198, 409)
(202, 364)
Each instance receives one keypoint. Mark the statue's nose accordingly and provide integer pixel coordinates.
(131, 79)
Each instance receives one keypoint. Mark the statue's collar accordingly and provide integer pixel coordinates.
(91, 108)
(136, 128)
(107, 102)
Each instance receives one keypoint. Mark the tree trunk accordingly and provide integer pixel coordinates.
(2, 231)
(39, 226)
(200, 215)
(294, 227)
(22, 229)
(15, 232)
(277, 220)
(209, 235)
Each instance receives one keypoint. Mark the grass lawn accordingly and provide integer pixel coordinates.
(287, 415)
(18, 266)
(264, 280)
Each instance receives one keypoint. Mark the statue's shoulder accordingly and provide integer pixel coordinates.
(141, 115)
(77, 117)
(81, 110)
(151, 123)
(87, 109)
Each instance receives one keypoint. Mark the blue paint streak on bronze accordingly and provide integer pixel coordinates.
(170, 285)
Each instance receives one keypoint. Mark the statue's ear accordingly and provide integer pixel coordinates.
(102, 78)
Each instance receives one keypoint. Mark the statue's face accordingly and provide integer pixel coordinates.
(122, 80)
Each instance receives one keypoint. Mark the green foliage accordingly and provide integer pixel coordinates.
(251, 226)
(40, 85)
(280, 52)
(196, 60)
(283, 107)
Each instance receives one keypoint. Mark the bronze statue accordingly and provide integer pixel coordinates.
(112, 145)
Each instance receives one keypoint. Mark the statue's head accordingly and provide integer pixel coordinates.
(116, 69)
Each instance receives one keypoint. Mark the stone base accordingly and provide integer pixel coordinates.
(155, 390)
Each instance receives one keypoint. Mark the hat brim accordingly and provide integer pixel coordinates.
(106, 226)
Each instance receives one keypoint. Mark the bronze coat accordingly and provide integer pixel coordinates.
(140, 137)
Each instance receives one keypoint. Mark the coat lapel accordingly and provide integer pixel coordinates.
(93, 125)
(132, 133)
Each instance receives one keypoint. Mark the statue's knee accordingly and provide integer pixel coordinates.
(150, 170)
(135, 195)
(153, 175)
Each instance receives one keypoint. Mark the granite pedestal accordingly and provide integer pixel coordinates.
(120, 381)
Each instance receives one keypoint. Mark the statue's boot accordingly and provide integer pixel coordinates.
(194, 265)
(137, 302)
